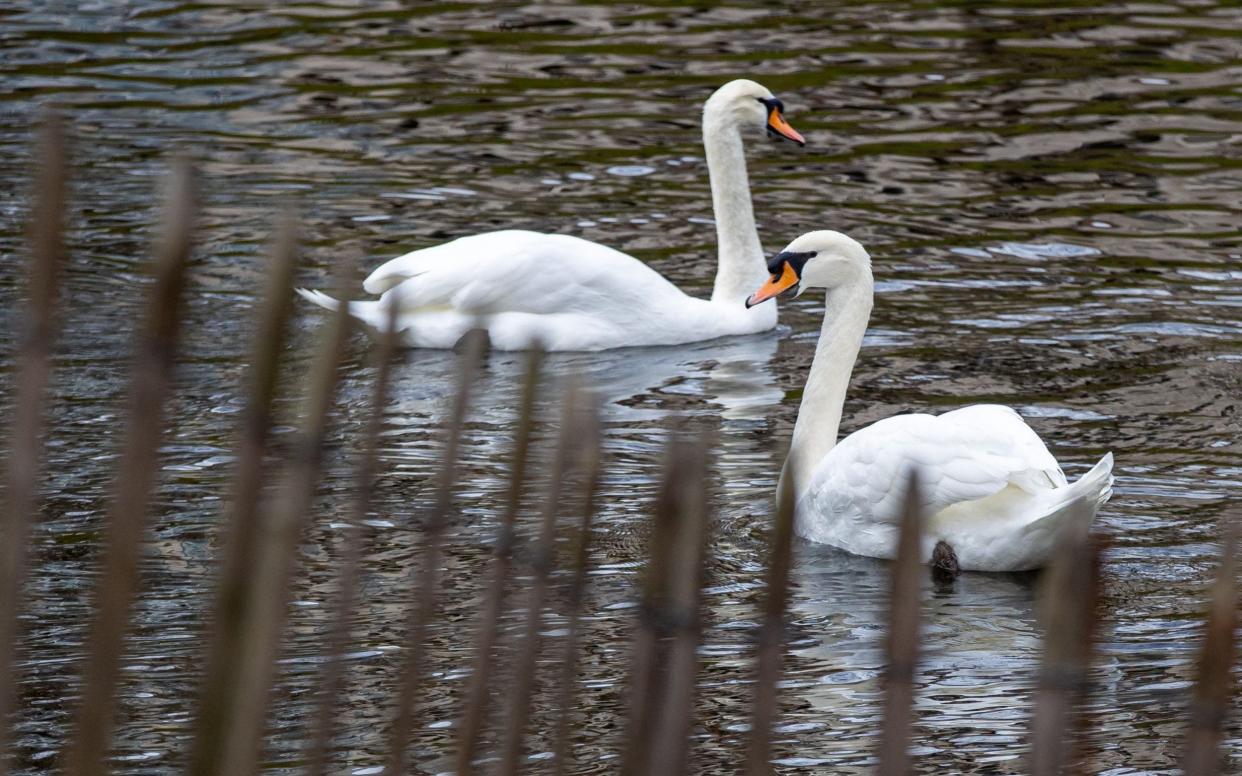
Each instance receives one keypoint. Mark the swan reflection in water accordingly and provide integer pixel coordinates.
(980, 647)
(979, 653)
(636, 388)
(733, 374)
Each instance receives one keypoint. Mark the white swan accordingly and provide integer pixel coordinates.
(990, 486)
(573, 294)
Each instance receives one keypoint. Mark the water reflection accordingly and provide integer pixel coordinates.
(978, 663)
(1047, 193)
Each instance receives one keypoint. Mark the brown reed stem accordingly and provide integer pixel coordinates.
(243, 519)
(1213, 692)
(427, 585)
(541, 562)
(772, 632)
(276, 538)
(644, 690)
(478, 691)
(901, 644)
(1069, 601)
(36, 345)
(346, 597)
(589, 463)
(681, 615)
(150, 387)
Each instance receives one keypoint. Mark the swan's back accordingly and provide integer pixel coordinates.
(520, 271)
(564, 292)
(986, 479)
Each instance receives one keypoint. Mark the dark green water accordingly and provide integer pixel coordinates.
(1051, 195)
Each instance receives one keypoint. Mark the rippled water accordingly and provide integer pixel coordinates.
(1051, 197)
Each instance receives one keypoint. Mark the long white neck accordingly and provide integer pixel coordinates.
(819, 417)
(741, 266)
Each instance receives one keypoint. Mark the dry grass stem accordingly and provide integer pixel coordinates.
(1069, 603)
(680, 613)
(428, 583)
(1213, 693)
(901, 643)
(125, 529)
(772, 632)
(342, 607)
(276, 540)
(542, 559)
(478, 691)
(588, 440)
(33, 370)
(243, 519)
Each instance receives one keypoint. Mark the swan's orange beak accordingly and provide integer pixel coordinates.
(778, 126)
(776, 284)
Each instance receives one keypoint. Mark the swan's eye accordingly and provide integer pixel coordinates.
(776, 123)
(796, 260)
(772, 104)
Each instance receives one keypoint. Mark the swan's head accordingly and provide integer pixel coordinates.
(823, 259)
(746, 104)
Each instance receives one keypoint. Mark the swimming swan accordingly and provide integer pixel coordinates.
(568, 293)
(991, 488)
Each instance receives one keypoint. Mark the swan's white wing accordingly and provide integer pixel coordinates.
(962, 456)
(524, 272)
(563, 292)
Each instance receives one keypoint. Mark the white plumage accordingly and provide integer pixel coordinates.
(567, 293)
(992, 489)
(562, 291)
(995, 493)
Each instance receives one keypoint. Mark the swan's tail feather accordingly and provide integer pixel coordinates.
(318, 297)
(372, 314)
(1041, 536)
(1091, 490)
(1096, 486)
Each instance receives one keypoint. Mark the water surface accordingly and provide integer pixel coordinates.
(1051, 197)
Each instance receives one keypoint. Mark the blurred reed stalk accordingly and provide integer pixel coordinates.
(542, 561)
(772, 632)
(589, 457)
(124, 531)
(332, 680)
(474, 714)
(236, 750)
(1213, 692)
(645, 657)
(681, 615)
(901, 646)
(243, 519)
(1069, 602)
(655, 739)
(33, 370)
(427, 584)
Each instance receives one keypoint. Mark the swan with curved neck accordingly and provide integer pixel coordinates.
(992, 489)
(567, 293)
